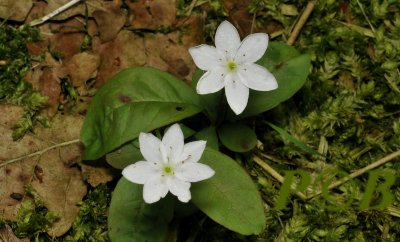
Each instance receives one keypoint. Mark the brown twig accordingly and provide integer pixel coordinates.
(361, 171)
(54, 13)
(302, 20)
(275, 174)
(40, 152)
(187, 14)
(394, 211)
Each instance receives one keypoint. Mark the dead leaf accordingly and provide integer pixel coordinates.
(7, 235)
(155, 44)
(77, 9)
(81, 67)
(15, 10)
(52, 175)
(49, 85)
(96, 175)
(165, 52)
(68, 37)
(152, 14)
(127, 50)
(240, 17)
(60, 186)
(109, 24)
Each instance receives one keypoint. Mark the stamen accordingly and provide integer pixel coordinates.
(231, 65)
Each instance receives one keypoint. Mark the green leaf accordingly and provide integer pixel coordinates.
(187, 132)
(135, 100)
(295, 141)
(237, 137)
(132, 220)
(208, 134)
(127, 154)
(229, 197)
(289, 67)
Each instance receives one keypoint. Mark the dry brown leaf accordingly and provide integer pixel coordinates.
(49, 85)
(77, 9)
(96, 175)
(127, 50)
(109, 24)
(52, 175)
(168, 53)
(81, 67)
(240, 17)
(152, 14)
(7, 235)
(60, 186)
(15, 10)
(68, 37)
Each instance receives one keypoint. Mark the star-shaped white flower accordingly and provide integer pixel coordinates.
(231, 65)
(170, 165)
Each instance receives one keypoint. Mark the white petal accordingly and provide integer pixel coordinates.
(257, 77)
(155, 189)
(140, 172)
(173, 141)
(212, 81)
(150, 147)
(193, 172)
(193, 151)
(236, 93)
(252, 48)
(227, 39)
(179, 188)
(205, 57)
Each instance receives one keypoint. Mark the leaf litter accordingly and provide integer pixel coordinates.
(43, 167)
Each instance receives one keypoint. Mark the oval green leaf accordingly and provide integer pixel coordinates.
(237, 137)
(229, 197)
(135, 100)
(208, 134)
(125, 155)
(132, 220)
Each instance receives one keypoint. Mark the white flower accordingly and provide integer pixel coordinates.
(170, 165)
(231, 65)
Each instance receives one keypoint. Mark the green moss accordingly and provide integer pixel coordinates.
(16, 64)
(91, 222)
(351, 101)
(33, 217)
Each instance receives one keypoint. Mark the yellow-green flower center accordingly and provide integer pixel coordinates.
(231, 65)
(168, 170)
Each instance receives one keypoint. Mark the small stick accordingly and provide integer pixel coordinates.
(276, 34)
(40, 152)
(365, 16)
(275, 174)
(303, 19)
(394, 211)
(361, 171)
(189, 12)
(191, 7)
(54, 13)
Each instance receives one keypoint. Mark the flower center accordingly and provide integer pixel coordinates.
(168, 170)
(231, 65)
